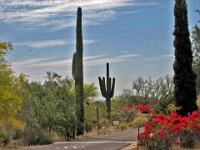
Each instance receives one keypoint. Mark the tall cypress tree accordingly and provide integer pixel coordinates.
(184, 77)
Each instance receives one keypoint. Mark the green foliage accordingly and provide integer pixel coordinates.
(77, 72)
(187, 139)
(52, 105)
(123, 126)
(90, 92)
(130, 115)
(10, 86)
(196, 55)
(184, 77)
(145, 91)
(139, 121)
(4, 138)
(35, 136)
(88, 127)
(161, 106)
(116, 116)
(107, 89)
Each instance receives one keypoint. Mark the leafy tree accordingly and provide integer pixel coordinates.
(10, 97)
(138, 86)
(90, 92)
(196, 53)
(184, 77)
(52, 105)
(32, 92)
(145, 91)
(127, 98)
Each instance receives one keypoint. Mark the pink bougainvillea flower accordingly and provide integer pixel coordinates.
(152, 103)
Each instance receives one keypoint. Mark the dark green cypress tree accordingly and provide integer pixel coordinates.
(184, 77)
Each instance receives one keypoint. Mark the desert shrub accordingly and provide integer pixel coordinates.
(88, 127)
(123, 125)
(187, 139)
(35, 136)
(140, 120)
(8, 129)
(129, 115)
(161, 106)
(4, 138)
(18, 134)
(116, 116)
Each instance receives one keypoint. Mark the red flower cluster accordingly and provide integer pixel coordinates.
(152, 103)
(140, 107)
(128, 108)
(165, 127)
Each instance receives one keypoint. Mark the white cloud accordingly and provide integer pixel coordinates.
(101, 61)
(30, 61)
(127, 56)
(88, 61)
(59, 14)
(51, 43)
(160, 58)
(168, 55)
(94, 57)
(151, 59)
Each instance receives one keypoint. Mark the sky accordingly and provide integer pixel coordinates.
(133, 36)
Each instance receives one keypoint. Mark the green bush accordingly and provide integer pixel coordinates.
(123, 125)
(116, 116)
(129, 115)
(161, 106)
(187, 139)
(88, 127)
(140, 120)
(36, 137)
(18, 134)
(4, 138)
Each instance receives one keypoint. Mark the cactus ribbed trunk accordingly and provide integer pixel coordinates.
(107, 89)
(77, 72)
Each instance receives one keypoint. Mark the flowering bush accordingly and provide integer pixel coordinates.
(129, 113)
(140, 107)
(162, 131)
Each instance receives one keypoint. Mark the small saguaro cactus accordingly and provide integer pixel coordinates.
(77, 73)
(107, 89)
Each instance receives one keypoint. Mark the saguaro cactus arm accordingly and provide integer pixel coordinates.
(102, 86)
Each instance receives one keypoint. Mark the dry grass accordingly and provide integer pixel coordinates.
(103, 131)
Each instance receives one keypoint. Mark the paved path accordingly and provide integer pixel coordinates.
(115, 141)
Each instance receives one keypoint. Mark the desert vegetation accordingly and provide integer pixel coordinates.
(64, 108)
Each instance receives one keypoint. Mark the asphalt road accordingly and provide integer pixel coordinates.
(115, 141)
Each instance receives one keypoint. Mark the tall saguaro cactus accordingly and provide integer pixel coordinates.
(77, 72)
(107, 89)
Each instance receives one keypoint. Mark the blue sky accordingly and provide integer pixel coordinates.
(134, 36)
